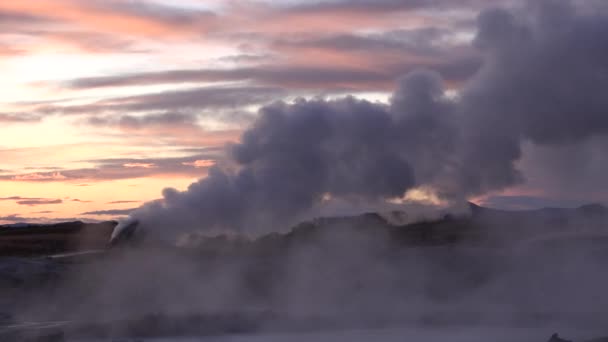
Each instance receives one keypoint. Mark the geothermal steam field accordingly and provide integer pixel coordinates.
(328, 170)
(485, 273)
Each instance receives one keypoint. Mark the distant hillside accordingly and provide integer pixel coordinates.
(484, 226)
(37, 239)
(458, 266)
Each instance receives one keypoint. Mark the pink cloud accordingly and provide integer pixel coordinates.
(139, 165)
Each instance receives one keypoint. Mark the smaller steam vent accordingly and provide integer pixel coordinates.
(124, 231)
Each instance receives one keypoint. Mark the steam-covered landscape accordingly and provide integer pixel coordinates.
(289, 170)
(526, 273)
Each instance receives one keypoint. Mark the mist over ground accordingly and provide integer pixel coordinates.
(239, 253)
(490, 272)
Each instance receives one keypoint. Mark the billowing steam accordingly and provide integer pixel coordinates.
(543, 81)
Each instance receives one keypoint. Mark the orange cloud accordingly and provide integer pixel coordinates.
(200, 163)
(139, 165)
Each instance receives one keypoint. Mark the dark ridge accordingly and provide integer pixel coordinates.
(460, 255)
(484, 226)
(28, 228)
(594, 209)
(38, 240)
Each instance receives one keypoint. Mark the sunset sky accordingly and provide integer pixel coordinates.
(106, 102)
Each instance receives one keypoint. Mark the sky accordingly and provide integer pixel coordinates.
(106, 103)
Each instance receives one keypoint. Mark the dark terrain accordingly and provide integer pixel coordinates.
(490, 268)
(487, 227)
(37, 240)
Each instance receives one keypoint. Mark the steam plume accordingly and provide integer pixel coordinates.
(543, 81)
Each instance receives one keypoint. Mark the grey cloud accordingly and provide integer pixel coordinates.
(48, 168)
(13, 17)
(283, 76)
(32, 201)
(420, 41)
(246, 58)
(137, 122)
(430, 43)
(178, 102)
(334, 79)
(384, 6)
(160, 12)
(209, 97)
(80, 201)
(111, 212)
(455, 62)
(171, 127)
(15, 218)
(18, 118)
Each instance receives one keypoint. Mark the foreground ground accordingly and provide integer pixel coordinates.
(491, 276)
